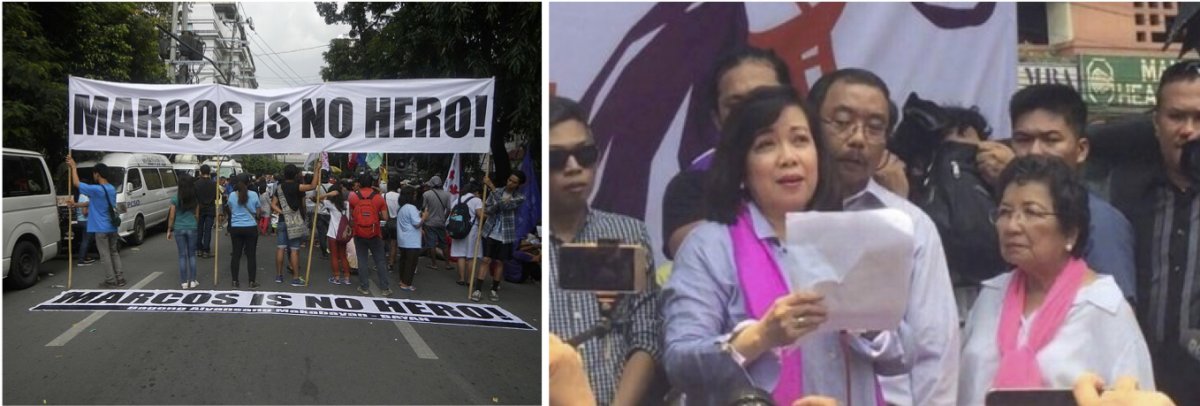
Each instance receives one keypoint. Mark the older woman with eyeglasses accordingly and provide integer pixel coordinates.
(1052, 318)
(732, 322)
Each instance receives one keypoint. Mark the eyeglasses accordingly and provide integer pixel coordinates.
(1023, 216)
(586, 156)
(875, 129)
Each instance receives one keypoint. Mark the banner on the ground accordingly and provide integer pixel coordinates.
(411, 116)
(295, 304)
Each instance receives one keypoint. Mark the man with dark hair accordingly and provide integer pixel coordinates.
(858, 118)
(436, 202)
(370, 243)
(102, 221)
(620, 364)
(1161, 199)
(1049, 119)
(206, 195)
(499, 231)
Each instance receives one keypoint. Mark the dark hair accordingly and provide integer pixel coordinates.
(748, 119)
(563, 109)
(365, 180)
(962, 118)
(738, 56)
(1058, 99)
(408, 195)
(855, 76)
(338, 200)
(290, 171)
(243, 195)
(520, 177)
(1069, 195)
(205, 169)
(1186, 70)
(187, 192)
(102, 170)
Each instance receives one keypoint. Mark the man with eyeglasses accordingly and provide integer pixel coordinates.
(621, 362)
(1161, 198)
(857, 117)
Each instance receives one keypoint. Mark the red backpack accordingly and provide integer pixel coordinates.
(365, 215)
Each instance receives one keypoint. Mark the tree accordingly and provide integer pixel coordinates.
(448, 40)
(44, 43)
(260, 164)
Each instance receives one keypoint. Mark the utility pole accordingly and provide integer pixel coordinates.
(174, 48)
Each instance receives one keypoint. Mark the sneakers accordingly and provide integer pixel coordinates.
(194, 284)
(475, 296)
(184, 285)
(334, 280)
(278, 278)
(121, 282)
(409, 288)
(86, 262)
(346, 281)
(298, 282)
(108, 285)
(364, 291)
(461, 283)
(253, 285)
(386, 292)
(495, 297)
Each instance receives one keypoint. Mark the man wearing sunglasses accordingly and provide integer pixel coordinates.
(621, 362)
(500, 231)
(1161, 198)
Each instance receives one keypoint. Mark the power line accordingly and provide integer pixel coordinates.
(266, 57)
(298, 50)
(275, 54)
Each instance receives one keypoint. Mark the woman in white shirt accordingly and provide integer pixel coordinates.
(335, 204)
(1051, 319)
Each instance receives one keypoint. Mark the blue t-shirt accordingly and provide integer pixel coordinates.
(243, 216)
(407, 231)
(101, 198)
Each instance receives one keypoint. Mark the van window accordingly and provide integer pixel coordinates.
(24, 176)
(153, 179)
(168, 178)
(135, 179)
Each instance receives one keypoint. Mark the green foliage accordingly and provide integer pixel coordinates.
(260, 164)
(44, 43)
(447, 40)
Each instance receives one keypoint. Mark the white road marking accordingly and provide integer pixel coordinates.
(410, 334)
(66, 336)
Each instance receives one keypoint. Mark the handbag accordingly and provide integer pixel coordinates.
(292, 219)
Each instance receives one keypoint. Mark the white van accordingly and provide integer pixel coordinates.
(145, 184)
(31, 229)
(228, 168)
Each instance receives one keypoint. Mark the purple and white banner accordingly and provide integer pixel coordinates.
(408, 116)
(642, 71)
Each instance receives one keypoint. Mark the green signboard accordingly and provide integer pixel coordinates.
(1121, 81)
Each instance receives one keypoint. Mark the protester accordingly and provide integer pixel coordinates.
(287, 201)
(206, 195)
(620, 362)
(243, 232)
(856, 120)
(408, 237)
(728, 313)
(568, 381)
(1162, 202)
(1018, 334)
(182, 225)
(500, 232)
(392, 198)
(323, 213)
(467, 249)
(333, 202)
(436, 203)
(80, 228)
(103, 221)
(367, 210)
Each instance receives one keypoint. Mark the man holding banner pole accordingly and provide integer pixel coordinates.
(103, 196)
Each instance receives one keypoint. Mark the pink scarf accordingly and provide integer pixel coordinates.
(762, 282)
(1018, 365)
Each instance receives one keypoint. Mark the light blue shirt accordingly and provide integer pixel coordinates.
(101, 198)
(80, 215)
(243, 216)
(703, 303)
(929, 331)
(1110, 245)
(408, 227)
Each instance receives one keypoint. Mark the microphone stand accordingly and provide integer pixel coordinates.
(604, 325)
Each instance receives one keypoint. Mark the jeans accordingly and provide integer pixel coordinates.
(85, 240)
(185, 240)
(205, 232)
(245, 241)
(375, 247)
(110, 256)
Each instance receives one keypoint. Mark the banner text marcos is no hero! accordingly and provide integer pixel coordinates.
(413, 116)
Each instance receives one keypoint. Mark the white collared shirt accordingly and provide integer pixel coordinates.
(1099, 335)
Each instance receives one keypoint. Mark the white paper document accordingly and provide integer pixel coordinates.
(860, 260)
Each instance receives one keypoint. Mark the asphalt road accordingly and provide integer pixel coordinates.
(182, 358)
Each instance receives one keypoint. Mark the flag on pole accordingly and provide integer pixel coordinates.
(352, 162)
(530, 212)
(452, 184)
(308, 160)
(325, 161)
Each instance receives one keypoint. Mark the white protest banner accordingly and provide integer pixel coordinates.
(411, 116)
(296, 304)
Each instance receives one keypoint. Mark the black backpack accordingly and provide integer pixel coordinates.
(960, 204)
(460, 220)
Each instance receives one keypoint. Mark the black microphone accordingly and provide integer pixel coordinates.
(750, 396)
